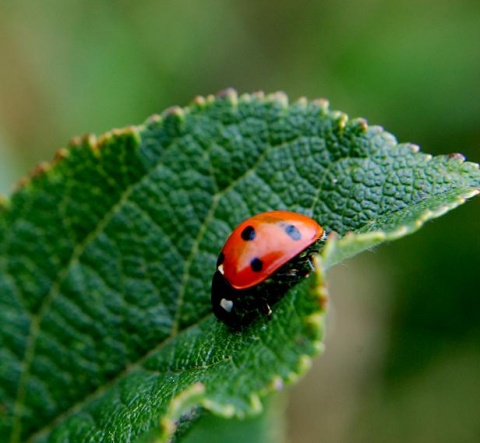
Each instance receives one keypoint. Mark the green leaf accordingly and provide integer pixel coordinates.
(268, 427)
(106, 256)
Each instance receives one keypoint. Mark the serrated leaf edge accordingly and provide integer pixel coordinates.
(333, 242)
(197, 395)
(372, 238)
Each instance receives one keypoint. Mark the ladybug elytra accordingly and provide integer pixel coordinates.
(262, 258)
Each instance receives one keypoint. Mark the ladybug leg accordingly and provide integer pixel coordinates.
(310, 264)
(287, 274)
(267, 310)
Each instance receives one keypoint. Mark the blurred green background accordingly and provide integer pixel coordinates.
(403, 346)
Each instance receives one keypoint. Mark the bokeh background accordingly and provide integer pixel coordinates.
(403, 345)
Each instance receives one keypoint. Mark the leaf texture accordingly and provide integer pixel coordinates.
(107, 253)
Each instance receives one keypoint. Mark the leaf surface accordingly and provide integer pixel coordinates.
(107, 253)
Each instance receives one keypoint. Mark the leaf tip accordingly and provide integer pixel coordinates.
(322, 103)
(260, 95)
(415, 148)
(302, 101)
(276, 384)
(128, 136)
(75, 141)
(341, 119)
(256, 404)
(360, 124)
(456, 156)
(228, 94)
(173, 120)
(304, 364)
(199, 102)
(83, 140)
(154, 119)
(174, 112)
(315, 321)
(37, 172)
(60, 155)
(279, 97)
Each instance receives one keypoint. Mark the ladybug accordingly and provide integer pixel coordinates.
(264, 256)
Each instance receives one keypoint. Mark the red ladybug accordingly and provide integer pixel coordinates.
(263, 257)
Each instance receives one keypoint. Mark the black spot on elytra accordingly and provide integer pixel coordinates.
(292, 232)
(248, 234)
(256, 265)
(221, 259)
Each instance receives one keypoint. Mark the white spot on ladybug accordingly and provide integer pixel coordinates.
(220, 269)
(226, 304)
(268, 311)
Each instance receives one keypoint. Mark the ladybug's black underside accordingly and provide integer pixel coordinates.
(245, 305)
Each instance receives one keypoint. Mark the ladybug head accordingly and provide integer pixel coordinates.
(236, 307)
